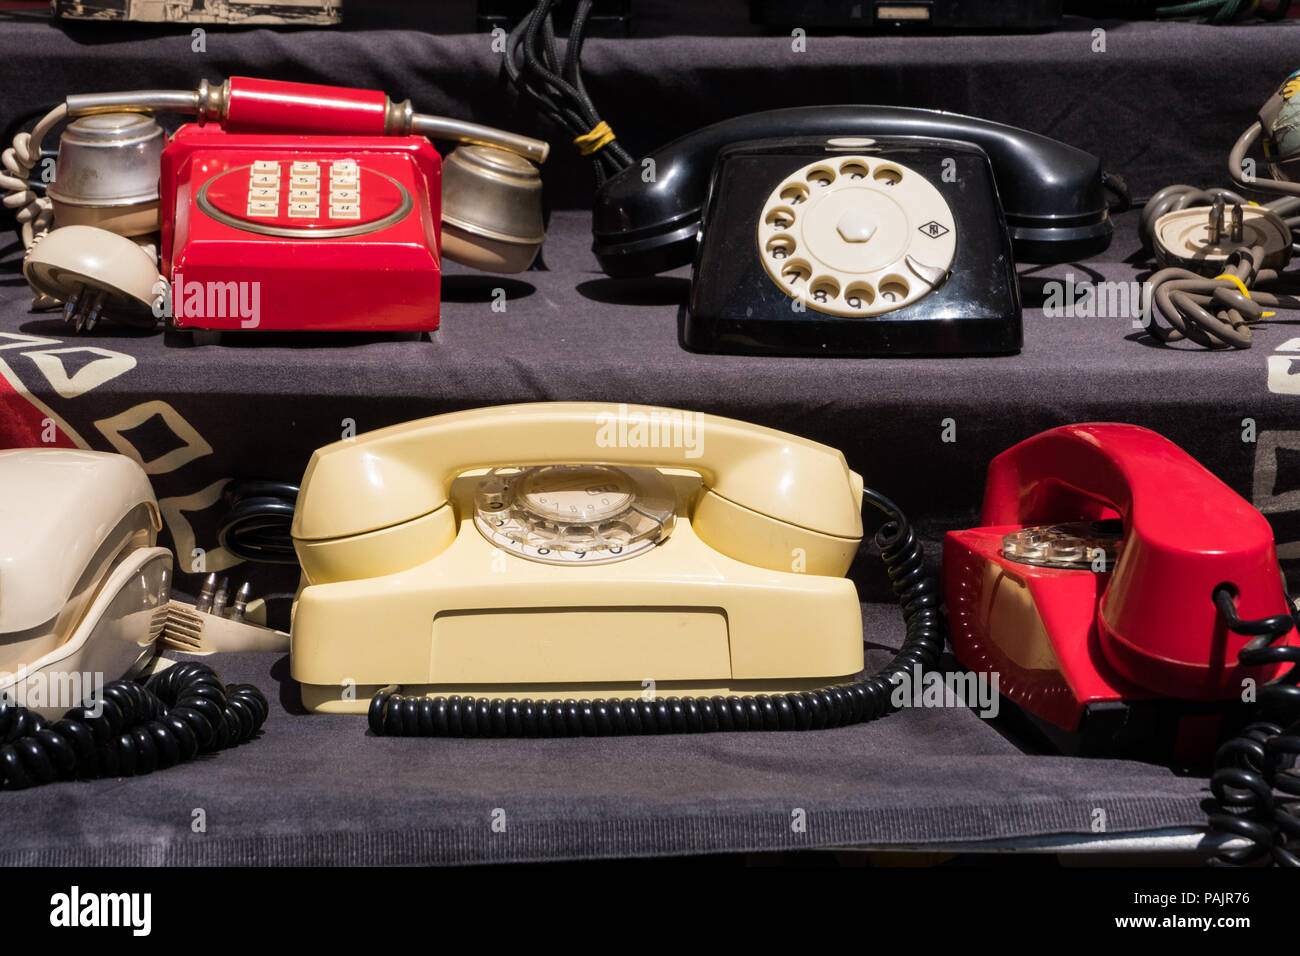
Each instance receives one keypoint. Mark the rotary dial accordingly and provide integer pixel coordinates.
(856, 236)
(574, 514)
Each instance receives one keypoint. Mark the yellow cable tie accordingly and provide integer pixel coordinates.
(1235, 280)
(599, 137)
(1241, 286)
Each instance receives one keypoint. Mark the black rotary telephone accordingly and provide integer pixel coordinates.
(829, 230)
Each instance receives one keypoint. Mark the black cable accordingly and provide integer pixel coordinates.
(178, 713)
(1115, 184)
(255, 526)
(1251, 770)
(834, 706)
(533, 67)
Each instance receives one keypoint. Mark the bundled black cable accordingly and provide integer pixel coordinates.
(534, 68)
(256, 525)
(1255, 779)
(133, 729)
(834, 706)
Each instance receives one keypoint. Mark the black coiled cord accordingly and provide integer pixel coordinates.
(1252, 768)
(834, 706)
(257, 522)
(178, 713)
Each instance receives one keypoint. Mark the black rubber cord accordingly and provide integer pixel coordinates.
(256, 524)
(178, 713)
(833, 706)
(1255, 780)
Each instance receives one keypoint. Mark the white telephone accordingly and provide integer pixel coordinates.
(85, 608)
(527, 555)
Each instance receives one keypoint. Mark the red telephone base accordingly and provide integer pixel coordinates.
(281, 231)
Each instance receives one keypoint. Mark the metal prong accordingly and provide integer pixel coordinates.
(70, 305)
(241, 602)
(209, 589)
(1238, 224)
(219, 600)
(1216, 221)
(94, 309)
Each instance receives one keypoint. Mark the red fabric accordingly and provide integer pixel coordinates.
(22, 423)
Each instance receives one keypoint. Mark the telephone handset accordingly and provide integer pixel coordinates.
(1093, 590)
(1052, 194)
(572, 550)
(278, 206)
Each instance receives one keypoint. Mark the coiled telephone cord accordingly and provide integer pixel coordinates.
(178, 713)
(833, 706)
(35, 213)
(1255, 779)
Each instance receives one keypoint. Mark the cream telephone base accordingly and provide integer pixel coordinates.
(558, 569)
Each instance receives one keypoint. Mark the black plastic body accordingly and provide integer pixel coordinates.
(1052, 194)
(909, 16)
(1170, 732)
(736, 307)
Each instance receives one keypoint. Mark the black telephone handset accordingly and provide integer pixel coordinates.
(646, 217)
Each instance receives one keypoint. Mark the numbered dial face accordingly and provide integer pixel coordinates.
(574, 514)
(856, 235)
(1079, 545)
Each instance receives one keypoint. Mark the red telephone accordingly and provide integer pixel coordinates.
(1090, 591)
(285, 206)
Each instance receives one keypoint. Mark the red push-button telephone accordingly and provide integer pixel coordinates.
(283, 206)
(1112, 589)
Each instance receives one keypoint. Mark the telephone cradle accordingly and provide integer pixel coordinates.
(1108, 588)
(535, 570)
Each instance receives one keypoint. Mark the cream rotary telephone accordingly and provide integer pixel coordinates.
(572, 568)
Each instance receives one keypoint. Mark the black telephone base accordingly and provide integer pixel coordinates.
(1169, 732)
(737, 307)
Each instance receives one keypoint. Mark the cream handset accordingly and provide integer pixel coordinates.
(568, 568)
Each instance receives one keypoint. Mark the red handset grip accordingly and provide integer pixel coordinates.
(1185, 533)
(257, 106)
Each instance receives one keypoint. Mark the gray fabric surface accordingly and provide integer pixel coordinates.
(321, 790)
(318, 789)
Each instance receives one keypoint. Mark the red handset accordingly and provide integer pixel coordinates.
(1092, 579)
